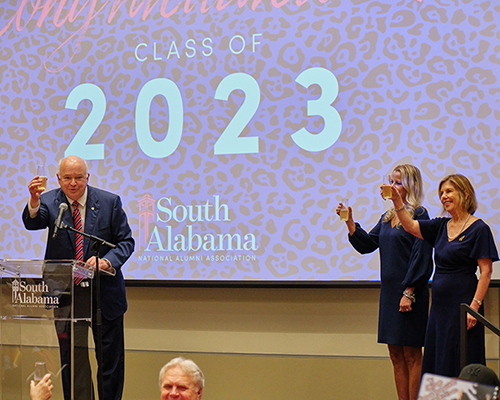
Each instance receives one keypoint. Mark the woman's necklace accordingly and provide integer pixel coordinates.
(460, 231)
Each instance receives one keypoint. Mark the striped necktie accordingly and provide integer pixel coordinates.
(77, 219)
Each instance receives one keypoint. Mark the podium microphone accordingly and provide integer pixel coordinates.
(62, 207)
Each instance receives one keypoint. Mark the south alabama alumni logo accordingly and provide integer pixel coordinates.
(166, 226)
(32, 295)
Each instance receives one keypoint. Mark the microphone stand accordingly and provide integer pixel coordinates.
(96, 244)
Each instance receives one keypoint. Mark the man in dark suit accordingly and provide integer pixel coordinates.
(100, 214)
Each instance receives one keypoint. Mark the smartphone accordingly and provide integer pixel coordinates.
(40, 371)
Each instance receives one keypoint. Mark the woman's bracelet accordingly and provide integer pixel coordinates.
(409, 295)
(477, 301)
(400, 208)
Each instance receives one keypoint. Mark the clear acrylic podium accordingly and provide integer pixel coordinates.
(38, 298)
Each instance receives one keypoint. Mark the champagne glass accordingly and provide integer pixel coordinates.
(344, 211)
(40, 371)
(40, 171)
(386, 187)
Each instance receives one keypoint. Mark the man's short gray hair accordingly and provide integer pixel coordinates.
(189, 367)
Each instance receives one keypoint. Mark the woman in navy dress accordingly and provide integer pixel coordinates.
(462, 243)
(405, 269)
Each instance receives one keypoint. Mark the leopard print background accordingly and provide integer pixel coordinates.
(417, 84)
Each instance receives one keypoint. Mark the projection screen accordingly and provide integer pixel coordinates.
(232, 128)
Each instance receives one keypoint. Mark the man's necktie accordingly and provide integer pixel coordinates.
(77, 219)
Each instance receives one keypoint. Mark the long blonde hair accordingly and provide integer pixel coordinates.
(411, 180)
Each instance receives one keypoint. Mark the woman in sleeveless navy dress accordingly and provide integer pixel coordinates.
(405, 266)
